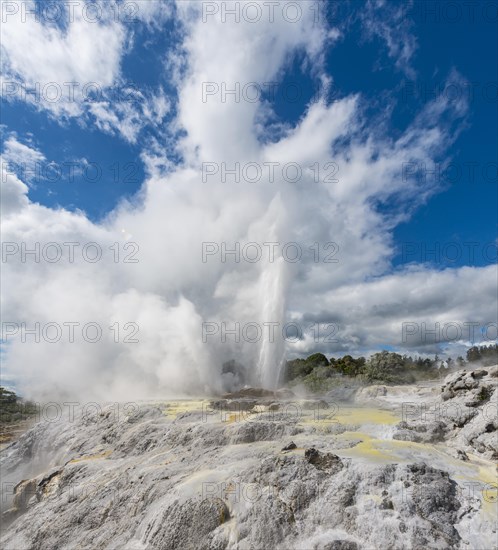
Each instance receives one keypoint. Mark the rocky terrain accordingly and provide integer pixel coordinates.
(461, 412)
(259, 470)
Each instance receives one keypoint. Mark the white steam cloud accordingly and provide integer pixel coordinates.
(170, 292)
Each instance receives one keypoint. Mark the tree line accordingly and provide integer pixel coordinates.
(317, 371)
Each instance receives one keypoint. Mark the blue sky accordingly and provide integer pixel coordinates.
(465, 210)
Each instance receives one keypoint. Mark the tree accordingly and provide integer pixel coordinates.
(303, 367)
(486, 355)
(12, 408)
(318, 359)
(473, 354)
(385, 366)
(297, 368)
(349, 365)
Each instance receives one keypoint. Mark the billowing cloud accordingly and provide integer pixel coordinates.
(66, 59)
(21, 158)
(200, 291)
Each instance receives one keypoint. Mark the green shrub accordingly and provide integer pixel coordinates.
(484, 393)
(486, 355)
(12, 408)
(385, 366)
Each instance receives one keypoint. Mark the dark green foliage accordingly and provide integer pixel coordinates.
(423, 364)
(348, 365)
(318, 360)
(318, 380)
(297, 368)
(317, 374)
(314, 371)
(473, 354)
(484, 393)
(12, 408)
(486, 355)
(386, 367)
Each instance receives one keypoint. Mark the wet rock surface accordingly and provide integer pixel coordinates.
(173, 476)
(323, 461)
(188, 525)
(465, 415)
(430, 432)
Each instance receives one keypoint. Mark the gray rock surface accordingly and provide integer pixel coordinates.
(146, 480)
(465, 415)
